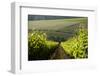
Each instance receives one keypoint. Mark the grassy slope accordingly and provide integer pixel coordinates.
(54, 24)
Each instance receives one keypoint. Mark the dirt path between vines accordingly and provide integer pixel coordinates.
(60, 53)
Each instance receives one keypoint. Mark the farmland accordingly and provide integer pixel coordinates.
(55, 24)
(53, 39)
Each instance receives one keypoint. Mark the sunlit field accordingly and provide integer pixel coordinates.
(57, 37)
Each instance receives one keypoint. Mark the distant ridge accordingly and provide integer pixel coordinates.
(48, 17)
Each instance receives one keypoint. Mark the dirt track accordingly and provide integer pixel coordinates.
(59, 53)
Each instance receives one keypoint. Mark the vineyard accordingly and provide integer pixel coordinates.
(58, 39)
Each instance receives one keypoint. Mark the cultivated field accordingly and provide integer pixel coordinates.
(58, 39)
(55, 24)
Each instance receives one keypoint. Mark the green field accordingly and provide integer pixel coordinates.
(60, 28)
(51, 37)
(55, 24)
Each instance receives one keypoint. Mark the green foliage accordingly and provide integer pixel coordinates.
(43, 43)
(78, 45)
(38, 46)
(37, 39)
